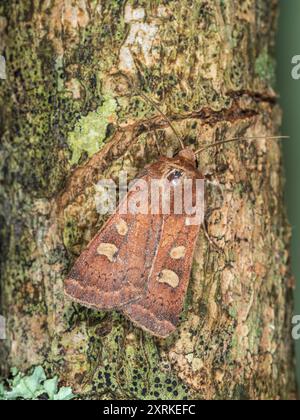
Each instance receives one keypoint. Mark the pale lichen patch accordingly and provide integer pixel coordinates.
(2, 67)
(169, 277)
(197, 364)
(133, 14)
(178, 252)
(74, 87)
(227, 286)
(108, 250)
(122, 227)
(75, 15)
(42, 206)
(163, 12)
(65, 16)
(139, 41)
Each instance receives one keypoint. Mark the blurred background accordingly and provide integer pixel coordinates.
(288, 45)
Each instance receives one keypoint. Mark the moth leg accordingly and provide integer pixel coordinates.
(210, 240)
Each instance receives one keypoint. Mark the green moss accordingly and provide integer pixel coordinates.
(90, 131)
(265, 67)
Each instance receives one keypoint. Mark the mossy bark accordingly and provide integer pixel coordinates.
(75, 69)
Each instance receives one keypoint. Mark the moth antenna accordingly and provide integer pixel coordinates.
(147, 99)
(165, 117)
(156, 142)
(239, 139)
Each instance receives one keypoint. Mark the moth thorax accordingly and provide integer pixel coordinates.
(188, 155)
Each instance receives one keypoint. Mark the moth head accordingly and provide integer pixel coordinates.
(188, 155)
(181, 167)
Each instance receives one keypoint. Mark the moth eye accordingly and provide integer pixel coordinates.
(175, 177)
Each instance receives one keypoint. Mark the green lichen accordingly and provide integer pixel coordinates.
(125, 362)
(233, 312)
(90, 131)
(33, 386)
(265, 67)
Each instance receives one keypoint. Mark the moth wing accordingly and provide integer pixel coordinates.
(115, 267)
(158, 311)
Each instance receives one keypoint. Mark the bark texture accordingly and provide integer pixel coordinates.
(71, 115)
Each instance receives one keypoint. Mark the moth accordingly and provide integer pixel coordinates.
(140, 264)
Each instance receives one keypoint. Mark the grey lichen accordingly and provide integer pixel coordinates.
(34, 386)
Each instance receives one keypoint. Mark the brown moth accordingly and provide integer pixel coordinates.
(141, 263)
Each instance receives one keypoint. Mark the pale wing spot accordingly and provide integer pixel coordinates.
(187, 221)
(108, 250)
(178, 252)
(169, 277)
(122, 227)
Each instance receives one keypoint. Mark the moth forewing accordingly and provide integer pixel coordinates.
(157, 312)
(114, 268)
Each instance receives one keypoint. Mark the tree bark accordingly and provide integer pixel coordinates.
(71, 114)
